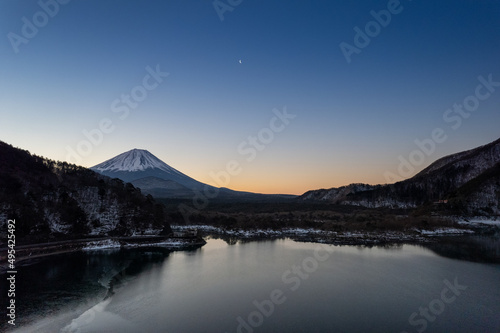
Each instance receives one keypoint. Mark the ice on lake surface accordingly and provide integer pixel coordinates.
(261, 286)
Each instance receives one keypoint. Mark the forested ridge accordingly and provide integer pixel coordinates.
(51, 199)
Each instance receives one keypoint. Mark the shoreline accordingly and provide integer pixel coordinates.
(40, 250)
(191, 236)
(332, 237)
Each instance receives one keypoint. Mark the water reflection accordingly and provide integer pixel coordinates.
(229, 240)
(339, 289)
(74, 282)
(481, 248)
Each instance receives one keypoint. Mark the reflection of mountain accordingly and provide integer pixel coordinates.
(467, 183)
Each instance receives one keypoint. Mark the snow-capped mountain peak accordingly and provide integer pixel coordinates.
(141, 165)
(134, 160)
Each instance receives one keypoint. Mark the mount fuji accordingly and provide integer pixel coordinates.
(149, 173)
(155, 177)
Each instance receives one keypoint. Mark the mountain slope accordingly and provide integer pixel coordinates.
(442, 180)
(481, 158)
(479, 196)
(51, 199)
(138, 163)
(336, 194)
(162, 188)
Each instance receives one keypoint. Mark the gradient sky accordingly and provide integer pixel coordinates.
(354, 121)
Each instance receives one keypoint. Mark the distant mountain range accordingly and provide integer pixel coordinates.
(155, 177)
(466, 183)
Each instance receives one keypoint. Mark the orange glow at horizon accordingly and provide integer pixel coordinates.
(291, 181)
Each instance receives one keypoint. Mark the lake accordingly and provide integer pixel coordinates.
(259, 286)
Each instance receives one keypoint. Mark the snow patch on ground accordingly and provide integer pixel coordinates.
(102, 244)
(476, 221)
(324, 235)
(250, 233)
(113, 244)
(446, 231)
(147, 232)
(168, 243)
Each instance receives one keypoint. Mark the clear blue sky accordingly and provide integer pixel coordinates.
(354, 121)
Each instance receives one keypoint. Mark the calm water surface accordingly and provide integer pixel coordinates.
(264, 286)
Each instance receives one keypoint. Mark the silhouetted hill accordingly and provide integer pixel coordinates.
(56, 199)
(465, 183)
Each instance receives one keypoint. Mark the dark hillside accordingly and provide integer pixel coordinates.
(52, 200)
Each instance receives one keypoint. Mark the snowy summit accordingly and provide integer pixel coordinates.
(134, 160)
(147, 172)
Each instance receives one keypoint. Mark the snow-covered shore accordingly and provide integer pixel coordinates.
(111, 244)
(32, 251)
(324, 236)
